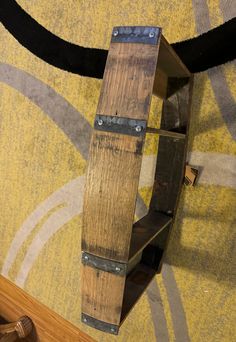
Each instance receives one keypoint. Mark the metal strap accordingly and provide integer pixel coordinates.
(100, 325)
(104, 264)
(120, 125)
(136, 34)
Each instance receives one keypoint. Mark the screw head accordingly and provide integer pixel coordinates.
(115, 33)
(151, 34)
(100, 122)
(138, 128)
(117, 269)
(85, 319)
(112, 330)
(86, 257)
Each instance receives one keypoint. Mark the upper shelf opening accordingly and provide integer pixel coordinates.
(169, 62)
(145, 230)
(169, 67)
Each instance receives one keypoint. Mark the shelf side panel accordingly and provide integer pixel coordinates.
(115, 158)
(171, 156)
(171, 159)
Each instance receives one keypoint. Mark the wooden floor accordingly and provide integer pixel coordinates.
(49, 326)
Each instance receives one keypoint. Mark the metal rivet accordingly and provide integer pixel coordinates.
(115, 33)
(100, 122)
(138, 128)
(151, 34)
(118, 269)
(112, 330)
(86, 257)
(85, 319)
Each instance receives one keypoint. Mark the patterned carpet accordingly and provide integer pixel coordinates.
(46, 121)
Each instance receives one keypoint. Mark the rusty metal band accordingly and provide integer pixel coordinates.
(102, 264)
(136, 34)
(100, 325)
(121, 125)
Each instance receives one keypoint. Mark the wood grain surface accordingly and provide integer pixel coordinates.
(49, 326)
(128, 80)
(113, 175)
(102, 294)
(115, 159)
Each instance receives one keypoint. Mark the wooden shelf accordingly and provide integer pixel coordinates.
(145, 230)
(120, 259)
(165, 133)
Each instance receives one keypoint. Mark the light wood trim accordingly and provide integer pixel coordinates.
(50, 327)
(165, 133)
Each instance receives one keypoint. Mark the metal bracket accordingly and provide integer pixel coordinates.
(104, 264)
(120, 125)
(136, 34)
(103, 326)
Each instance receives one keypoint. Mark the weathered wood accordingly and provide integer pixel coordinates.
(128, 80)
(110, 194)
(115, 159)
(113, 175)
(109, 236)
(102, 294)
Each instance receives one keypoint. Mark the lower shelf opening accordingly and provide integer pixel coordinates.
(136, 283)
(142, 269)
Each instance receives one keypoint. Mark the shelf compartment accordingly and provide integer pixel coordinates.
(136, 283)
(146, 229)
(142, 268)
